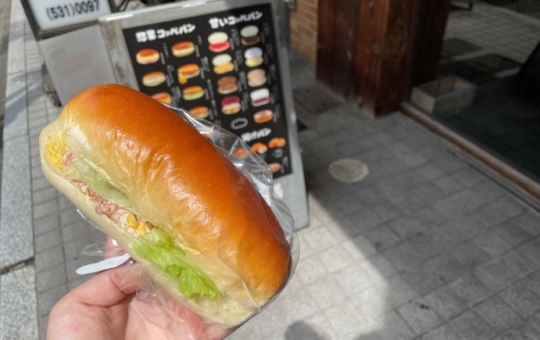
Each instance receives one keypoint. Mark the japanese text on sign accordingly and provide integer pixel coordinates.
(232, 20)
(153, 34)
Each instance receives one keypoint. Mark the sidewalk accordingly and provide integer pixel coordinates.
(425, 247)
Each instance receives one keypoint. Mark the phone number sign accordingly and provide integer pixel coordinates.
(61, 13)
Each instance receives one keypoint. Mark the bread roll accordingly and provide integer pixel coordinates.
(173, 180)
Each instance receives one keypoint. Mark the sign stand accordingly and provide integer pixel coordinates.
(221, 61)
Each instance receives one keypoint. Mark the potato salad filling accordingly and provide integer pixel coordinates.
(149, 242)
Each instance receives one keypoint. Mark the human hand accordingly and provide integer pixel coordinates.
(111, 305)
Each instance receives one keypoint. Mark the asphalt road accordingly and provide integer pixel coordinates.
(5, 12)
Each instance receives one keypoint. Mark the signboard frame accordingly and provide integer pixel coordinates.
(290, 187)
(41, 33)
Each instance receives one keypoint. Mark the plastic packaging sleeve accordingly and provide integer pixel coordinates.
(163, 316)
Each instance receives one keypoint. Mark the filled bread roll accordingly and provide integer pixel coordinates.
(170, 199)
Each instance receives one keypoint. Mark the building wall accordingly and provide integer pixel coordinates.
(304, 23)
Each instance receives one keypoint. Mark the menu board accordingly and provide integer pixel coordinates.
(222, 67)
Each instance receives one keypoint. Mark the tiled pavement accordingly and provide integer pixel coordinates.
(496, 30)
(424, 248)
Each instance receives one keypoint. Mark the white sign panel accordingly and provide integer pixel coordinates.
(60, 13)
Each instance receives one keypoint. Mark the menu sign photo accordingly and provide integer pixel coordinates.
(222, 67)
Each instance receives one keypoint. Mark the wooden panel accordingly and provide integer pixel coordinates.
(433, 17)
(384, 52)
(369, 50)
(337, 38)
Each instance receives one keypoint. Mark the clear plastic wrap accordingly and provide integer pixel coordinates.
(165, 317)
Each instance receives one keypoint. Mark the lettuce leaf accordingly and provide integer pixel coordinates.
(156, 249)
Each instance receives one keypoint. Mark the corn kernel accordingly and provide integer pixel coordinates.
(132, 221)
(142, 230)
(55, 150)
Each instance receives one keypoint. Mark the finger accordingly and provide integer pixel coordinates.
(107, 288)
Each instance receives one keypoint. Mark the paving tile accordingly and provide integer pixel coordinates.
(430, 217)
(310, 269)
(395, 328)
(76, 230)
(470, 288)
(39, 183)
(524, 332)
(531, 250)
(36, 172)
(403, 256)
(359, 247)
(469, 254)
(497, 313)
(303, 303)
(528, 221)
(533, 282)
(518, 264)
(428, 245)
(49, 258)
(468, 177)
(495, 274)
(327, 291)
(444, 332)
(470, 326)
(335, 258)
(499, 211)
(16, 205)
(447, 185)
(365, 219)
(340, 316)
(445, 266)
(316, 327)
(73, 249)
(492, 243)
(419, 316)
(69, 216)
(48, 240)
(521, 299)
(45, 209)
(382, 237)
(18, 303)
(469, 225)
(378, 268)
(43, 323)
(352, 279)
(371, 303)
(319, 239)
(46, 224)
(349, 204)
(513, 234)
(417, 197)
(387, 211)
(47, 300)
(64, 204)
(458, 204)
(51, 278)
(534, 320)
(430, 172)
(408, 227)
(446, 302)
(399, 292)
(488, 190)
(447, 237)
(43, 195)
